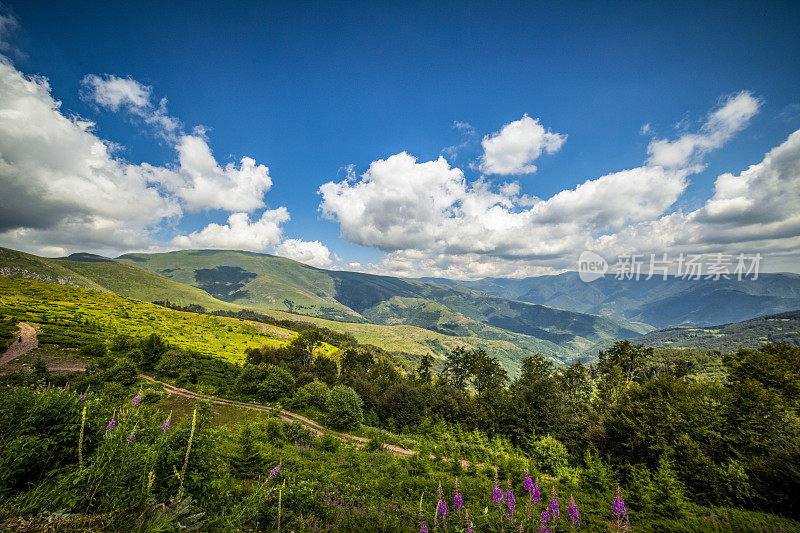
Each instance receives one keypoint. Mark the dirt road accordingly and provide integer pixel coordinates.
(29, 342)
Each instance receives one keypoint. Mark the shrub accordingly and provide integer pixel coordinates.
(550, 455)
(345, 408)
(318, 394)
(273, 430)
(296, 432)
(327, 443)
(173, 363)
(300, 399)
(277, 382)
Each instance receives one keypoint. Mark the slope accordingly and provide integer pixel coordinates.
(750, 334)
(662, 303)
(95, 272)
(266, 282)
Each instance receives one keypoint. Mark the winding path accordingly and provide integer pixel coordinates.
(30, 341)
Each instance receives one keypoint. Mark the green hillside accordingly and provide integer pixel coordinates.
(72, 316)
(96, 272)
(256, 281)
(749, 334)
(403, 316)
(261, 281)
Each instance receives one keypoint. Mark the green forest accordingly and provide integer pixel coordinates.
(305, 429)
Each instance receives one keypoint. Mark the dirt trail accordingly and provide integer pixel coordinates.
(280, 413)
(29, 342)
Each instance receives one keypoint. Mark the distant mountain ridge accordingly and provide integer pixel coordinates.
(658, 302)
(748, 334)
(404, 314)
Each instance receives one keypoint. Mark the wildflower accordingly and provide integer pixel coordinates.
(165, 426)
(528, 483)
(511, 502)
(618, 510)
(536, 493)
(468, 523)
(497, 496)
(574, 517)
(441, 507)
(111, 425)
(458, 501)
(150, 478)
(544, 522)
(274, 472)
(423, 529)
(554, 503)
(131, 437)
(136, 400)
(82, 398)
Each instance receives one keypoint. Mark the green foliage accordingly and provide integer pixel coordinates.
(344, 408)
(549, 455)
(318, 394)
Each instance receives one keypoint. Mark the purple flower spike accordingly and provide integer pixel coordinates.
(130, 438)
(497, 496)
(618, 511)
(574, 517)
(511, 502)
(554, 504)
(136, 400)
(111, 425)
(274, 472)
(165, 426)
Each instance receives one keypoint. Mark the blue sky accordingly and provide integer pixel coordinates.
(310, 89)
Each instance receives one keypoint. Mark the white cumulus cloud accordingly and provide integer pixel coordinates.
(513, 149)
(312, 253)
(239, 233)
(729, 118)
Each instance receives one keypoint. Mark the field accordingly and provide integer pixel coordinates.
(71, 317)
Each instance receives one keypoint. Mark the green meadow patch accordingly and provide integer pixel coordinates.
(74, 317)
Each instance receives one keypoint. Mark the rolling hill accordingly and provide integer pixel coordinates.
(658, 302)
(404, 316)
(749, 334)
(266, 282)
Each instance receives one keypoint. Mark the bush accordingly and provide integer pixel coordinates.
(273, 429)
(550, 455)
(173, 363)
(318, 394)
(300, 399)
(123, 372)
(296, 432)
(328, 443)
(345, 408)
(277, 382)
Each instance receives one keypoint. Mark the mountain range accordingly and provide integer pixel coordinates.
(558, 316)
(659, 302)
(401, 315)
